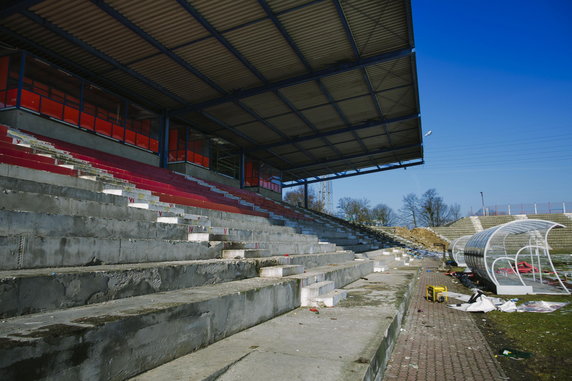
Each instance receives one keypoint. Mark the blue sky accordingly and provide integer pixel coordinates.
(495, 86)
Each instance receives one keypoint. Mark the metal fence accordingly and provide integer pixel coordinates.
(531, 208)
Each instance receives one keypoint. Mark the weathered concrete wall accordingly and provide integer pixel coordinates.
(48, 127)
(203, 173)
(125, 337)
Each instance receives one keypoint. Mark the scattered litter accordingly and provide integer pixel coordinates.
(514, 354)
(479, 302)
(508, 306)
(314, 310)
(364, 278)
(458, 296)
(414, 366)
(540, 306)
(419, 310)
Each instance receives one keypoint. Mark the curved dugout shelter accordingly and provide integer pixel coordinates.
(515, 258)
(458, 249)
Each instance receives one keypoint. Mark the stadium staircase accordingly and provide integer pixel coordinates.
(111, 267)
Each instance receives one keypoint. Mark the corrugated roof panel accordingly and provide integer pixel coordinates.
(319, 33)
(35, 32)
(346, 84)
(259, 132)
(126, 81)
(230, 113)
(263, 46)
(390, 74)
(166, 21)
(266, 105)
(88, 23)
(359, 109)
(341, 138)
(304, 95)
(290, 124)
(227, 14)
(281, 5)
(377, 26)
(397, 103)
(325, 116)
(174, 77)
(218, 64)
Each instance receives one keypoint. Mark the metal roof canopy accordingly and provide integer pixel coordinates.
(316, 88)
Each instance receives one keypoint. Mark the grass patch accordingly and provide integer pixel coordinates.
(547, 336)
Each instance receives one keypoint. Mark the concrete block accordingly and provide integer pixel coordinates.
(245, 253)
(281, 271)
(329, 299)
(309, 293)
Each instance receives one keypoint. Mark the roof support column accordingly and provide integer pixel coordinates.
(164, 140)
(21, 78)
(242, 164)
(305, 194)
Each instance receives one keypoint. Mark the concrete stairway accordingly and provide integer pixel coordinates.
(95, 285)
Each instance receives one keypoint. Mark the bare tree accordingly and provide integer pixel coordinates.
(355, 210)
(454, 212)
(408, 214)
(432, 209)
(383, 215)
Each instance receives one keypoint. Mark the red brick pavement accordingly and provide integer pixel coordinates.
(439, 343)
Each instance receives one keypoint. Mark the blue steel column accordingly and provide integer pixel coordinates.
(241, 169)
(164, 140)
(21, 79)
(306, 194)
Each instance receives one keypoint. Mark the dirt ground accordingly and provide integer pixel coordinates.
(424, 237)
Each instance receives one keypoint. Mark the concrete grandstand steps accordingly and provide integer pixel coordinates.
(36, 251)
(283, 247)
(123, 337)
(51, 204)
(46, 289)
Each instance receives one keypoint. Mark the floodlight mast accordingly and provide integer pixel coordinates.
(483, 202)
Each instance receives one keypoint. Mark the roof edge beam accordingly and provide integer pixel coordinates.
(339, 68)
(357, 156)
(338, 176)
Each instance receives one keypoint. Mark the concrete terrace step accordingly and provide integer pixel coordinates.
(48, 204)
(36, 290)
(36, 251)
(282, 248)
(302, 345)
(60, 225)
(330, 299)
(124, 337)
(280, 271)
(245, 253)
(312, 291)
(253, 236)
(29, 186)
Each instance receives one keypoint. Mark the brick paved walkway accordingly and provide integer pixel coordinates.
(440, 343)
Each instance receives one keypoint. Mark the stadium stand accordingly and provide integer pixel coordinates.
(83, 229)
(141, 171)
